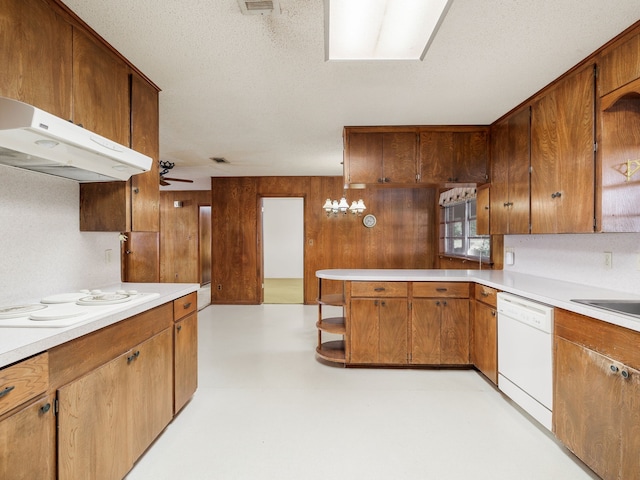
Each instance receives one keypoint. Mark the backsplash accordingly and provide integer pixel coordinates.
(43, 250)
(579, 258)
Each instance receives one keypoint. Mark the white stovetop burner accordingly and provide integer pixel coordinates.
(62, 310)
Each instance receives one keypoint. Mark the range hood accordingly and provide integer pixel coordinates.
(33, 139)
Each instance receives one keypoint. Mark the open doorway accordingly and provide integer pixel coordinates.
(283, 249)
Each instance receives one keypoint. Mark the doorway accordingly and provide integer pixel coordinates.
(204, 245)
(283, 249)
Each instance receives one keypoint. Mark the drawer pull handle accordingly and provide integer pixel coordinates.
(6, 391)
(187, 305)
(441, 289)
(484, 294)
(132, 357)
(45, 408)
(379, 289)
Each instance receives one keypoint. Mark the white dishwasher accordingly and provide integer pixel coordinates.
(525, 345)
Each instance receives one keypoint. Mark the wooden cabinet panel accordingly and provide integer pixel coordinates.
(100, 89)
(184, 306)
(470, 156)
(151, 390)
(23, 381)
(510, 162)
(94, 440)
(140, 255)
(36, 47)
(28, 442)
(436, 157)
(486, 294)
(619, 66)
(380, 157)
(393, 331)
(364, 331)
(186, 360)
(425, 332)
(379, 289)
(484, 341)
(454, 332)
(482, 211)
(562, 157)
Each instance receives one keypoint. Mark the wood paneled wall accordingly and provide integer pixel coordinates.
(403, 237)
(179, 252)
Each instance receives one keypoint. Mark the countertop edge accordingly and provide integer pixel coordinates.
(556, 293)
(31, 341)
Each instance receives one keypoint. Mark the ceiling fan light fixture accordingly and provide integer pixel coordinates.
(381, 29)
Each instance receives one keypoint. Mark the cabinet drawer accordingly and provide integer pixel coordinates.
(378, 289)
(486, 294)
(184, 306)
(441, 289)
(23, 381)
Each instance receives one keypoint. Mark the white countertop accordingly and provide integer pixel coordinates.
(556, 293)
(19, 343)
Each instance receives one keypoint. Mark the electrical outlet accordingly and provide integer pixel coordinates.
(608, 260)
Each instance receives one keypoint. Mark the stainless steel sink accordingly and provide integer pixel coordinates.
(627, 307)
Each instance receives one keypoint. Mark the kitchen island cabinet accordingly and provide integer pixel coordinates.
(596, 392)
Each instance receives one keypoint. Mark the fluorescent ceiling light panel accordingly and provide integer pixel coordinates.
(381, 29)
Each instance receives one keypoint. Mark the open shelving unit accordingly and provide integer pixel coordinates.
(333, 350)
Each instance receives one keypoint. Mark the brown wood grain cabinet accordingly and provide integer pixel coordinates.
(185, 343)
(563, 156)
(377, 323)
(510, 162)
(484, 332)
(35, 54)
(619, 65)
(375, 157)
(440, 323)
(27, 421)
(453, 156)
(596, 392)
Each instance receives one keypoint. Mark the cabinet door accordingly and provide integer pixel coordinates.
(151, 390)
(454, 332)
(141, 257)
(425, 331)
(28, 442)
(630, 424)
(619, 66)
(484, 345)
(145, 190)
(436, 157)
(93, 436)
(399, 157)
(562, 157)
(364, 160)
(364, 330)
(186, 360)
(482, 211)
(100, 89)
(393, 331)
(470, 157)
(586, 407)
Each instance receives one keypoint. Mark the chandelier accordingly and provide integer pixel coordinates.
(334, 207)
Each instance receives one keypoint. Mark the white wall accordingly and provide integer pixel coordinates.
(579, 258)
(42, 250)
(283, 237)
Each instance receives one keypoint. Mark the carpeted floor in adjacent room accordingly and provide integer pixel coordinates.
(283, 290)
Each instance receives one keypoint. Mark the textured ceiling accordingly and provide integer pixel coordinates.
(258, 91)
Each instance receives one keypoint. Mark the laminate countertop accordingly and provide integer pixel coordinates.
(556, 293)
(19, 343)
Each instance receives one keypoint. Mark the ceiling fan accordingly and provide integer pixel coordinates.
(165, 167)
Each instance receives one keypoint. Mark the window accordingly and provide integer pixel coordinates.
(460, 237)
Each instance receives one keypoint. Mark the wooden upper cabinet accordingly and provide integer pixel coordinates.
(35, 54)
(100, 89)
(619, 66)
(453, 156)
(510, 161)
(562, 156)
(380, 157)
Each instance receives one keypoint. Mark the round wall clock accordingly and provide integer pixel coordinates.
(369, 220)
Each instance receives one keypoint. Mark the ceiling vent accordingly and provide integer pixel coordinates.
(259, 7)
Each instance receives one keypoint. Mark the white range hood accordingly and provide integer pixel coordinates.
(33, 139)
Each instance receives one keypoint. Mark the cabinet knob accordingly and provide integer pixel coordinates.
(6, 391)
(614, 369)
(444, 303)
(45, 408)
(384, 304)
(386, 180)
(186, 305)
(128, 252)
(437, 303)
(493, 313)
(625, 374)
(179, 327)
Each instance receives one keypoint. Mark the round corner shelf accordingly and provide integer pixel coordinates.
(332, 325)
(332, 351)
(334, 299)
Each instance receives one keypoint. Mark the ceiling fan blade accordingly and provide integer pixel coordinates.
(178, 180)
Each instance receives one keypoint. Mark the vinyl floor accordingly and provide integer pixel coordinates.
(267, 409)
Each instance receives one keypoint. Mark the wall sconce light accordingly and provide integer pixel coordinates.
(334, 207)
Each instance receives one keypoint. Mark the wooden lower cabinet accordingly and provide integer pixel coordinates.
(484, 332)
(596, 396)
(108, 417)
(378, 331)
(185, 371)
(28, 442)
